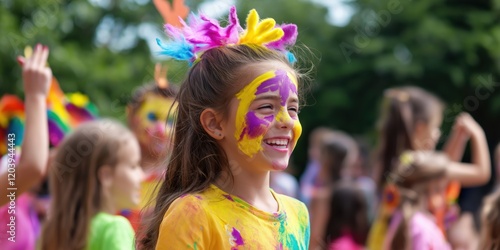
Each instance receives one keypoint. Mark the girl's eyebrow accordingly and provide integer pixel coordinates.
(274, 98)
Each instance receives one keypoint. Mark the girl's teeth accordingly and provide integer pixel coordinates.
(278, 142)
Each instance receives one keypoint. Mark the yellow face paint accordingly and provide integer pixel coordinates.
(250, 129)
(152, 117)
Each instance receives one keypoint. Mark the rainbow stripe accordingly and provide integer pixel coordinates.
(64, 113)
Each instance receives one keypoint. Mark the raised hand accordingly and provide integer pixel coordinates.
(467, 124)
(36, 75)
(171, 13)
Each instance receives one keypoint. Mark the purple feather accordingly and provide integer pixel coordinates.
(288, 39)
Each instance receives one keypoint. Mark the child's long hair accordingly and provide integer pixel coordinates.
(348, 213)
(337, 154)
(74, 185)
(411, 182)
(490, 222)
(197, 160)
(402, 108)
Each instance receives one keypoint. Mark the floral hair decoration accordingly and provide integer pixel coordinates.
(202, 33)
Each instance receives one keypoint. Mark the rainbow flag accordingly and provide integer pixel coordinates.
(64, 113)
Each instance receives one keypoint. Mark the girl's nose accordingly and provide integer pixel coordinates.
(284, 119)
(159, 129)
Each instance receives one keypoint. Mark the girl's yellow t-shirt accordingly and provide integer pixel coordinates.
(214, 219)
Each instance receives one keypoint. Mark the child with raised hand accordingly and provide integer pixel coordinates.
(95, 174)
(33, 162)
(411, 118)
(237, 120)
(21, 176)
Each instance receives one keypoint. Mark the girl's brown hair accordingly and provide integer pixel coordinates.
(411, 180)
(74, 185)
(402, 109)
(197, 160)
(337, 153)
(348, 213)
(490, 222)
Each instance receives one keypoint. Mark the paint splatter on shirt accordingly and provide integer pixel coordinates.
(214, 219)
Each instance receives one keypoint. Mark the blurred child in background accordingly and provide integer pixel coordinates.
(309, 179)
(347, 223)
(413, 187)
(411, 120)
(30, 167)
(490, 222)
(95, 174)
(148, 118)
(338, 153)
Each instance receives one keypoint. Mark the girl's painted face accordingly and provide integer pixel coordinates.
(152, 124)
(266, 120)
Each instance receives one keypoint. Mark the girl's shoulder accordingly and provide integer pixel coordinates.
(111, 232)
(290, 204)
(108, 222)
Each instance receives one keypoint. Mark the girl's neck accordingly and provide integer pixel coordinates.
(106, 206)
(251, 187)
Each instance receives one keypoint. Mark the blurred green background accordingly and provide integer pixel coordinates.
(105, 48)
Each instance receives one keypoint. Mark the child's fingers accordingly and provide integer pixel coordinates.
(32, 61)
(21, 60)
(44, 55)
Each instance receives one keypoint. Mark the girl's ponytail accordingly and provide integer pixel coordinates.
(402, 236)
(396, 126)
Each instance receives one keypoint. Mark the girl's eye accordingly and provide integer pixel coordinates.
(267, 106)
(294, 109)
(152, 116)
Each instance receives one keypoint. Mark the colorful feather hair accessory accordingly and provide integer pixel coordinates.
(202, 33)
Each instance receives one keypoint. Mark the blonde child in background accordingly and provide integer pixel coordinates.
(237, 121)
(95, 174)
(412, 188)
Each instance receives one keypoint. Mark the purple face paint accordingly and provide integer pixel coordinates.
(255, 125)
(280, 82)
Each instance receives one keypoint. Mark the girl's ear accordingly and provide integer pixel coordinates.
(212, 123)
(105, 176)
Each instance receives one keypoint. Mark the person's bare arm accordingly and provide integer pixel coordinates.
(455, 145)
(478, 172)
(35, 147)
